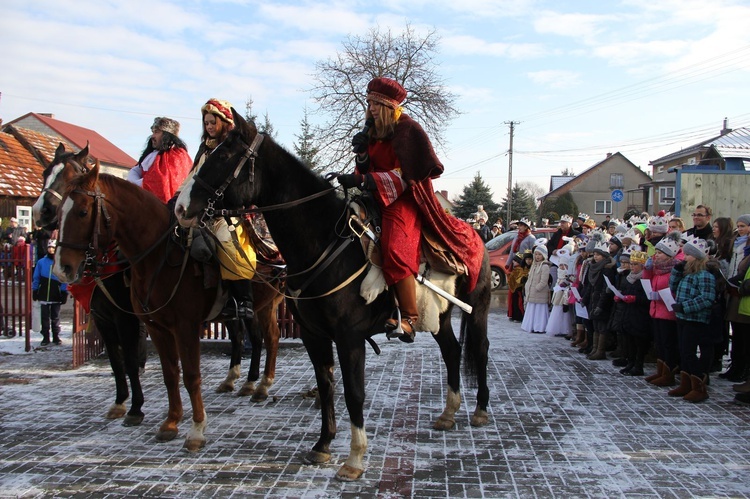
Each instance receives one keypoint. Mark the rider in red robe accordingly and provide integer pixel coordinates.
(396, 161)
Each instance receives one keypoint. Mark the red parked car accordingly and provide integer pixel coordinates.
(499, 248)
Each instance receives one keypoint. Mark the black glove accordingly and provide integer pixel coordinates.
(349, 180)
(63, 297)
(745, 288)
(360, 142)
(597, 312)
(35, 295)
(566, 309)
(676, 307)
(680, 266)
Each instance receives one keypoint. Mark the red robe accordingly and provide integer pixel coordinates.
(402, 168)
(167, 173)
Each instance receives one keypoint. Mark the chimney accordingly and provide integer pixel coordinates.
(609, 154)
(47, 115)
(725, 130)
(445, 194)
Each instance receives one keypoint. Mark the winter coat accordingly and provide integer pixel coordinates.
(636, 319)
(659, 280)
(602, 298)
(696, 293)
(618, 310)
(537, 285)
(48, 286)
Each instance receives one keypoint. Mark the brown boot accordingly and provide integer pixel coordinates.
(685, 386)
(658, 373)
(406, 294)
(580, 336)
(667, 378)
(601, 346)
(699, 393)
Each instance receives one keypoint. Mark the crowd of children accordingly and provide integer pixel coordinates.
(644, 285)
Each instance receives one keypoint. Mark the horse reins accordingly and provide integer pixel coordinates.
(100, 208)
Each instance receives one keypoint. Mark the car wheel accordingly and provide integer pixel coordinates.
(497, 278)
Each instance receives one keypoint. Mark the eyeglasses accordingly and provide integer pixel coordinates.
(699, 215)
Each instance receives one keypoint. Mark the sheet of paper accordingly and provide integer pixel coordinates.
(646, 283)
(613, 288)
(575, 292)
(581, 311)
(666, 297)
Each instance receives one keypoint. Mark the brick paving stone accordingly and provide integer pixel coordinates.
(561, 426)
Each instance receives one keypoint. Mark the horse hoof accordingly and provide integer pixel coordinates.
(225, 387)
(259, 396)
(116, 411)
(479, 418)
(133, 420)
(315, 457)
(348, 473)
(194, 445)
(444, 424)
(246, 390)
(166, 435)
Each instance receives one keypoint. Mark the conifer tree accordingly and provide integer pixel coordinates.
(476, 193)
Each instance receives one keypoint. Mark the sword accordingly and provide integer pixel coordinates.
(462, 305)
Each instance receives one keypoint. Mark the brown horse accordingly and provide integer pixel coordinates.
(167, 288)
(119, 327)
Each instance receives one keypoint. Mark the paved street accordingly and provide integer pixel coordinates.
(561, 426)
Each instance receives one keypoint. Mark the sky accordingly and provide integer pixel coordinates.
(579, 79)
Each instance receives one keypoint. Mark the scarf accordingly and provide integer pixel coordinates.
(518, 240)
(634, 277)
(664, 268)
(595, 268)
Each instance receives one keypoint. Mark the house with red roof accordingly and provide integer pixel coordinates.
(27, 145)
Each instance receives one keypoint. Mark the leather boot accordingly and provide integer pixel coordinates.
(580, 335)
(659, 371)
(667, 378)
(685, 386)
(239, 305)
(406, 294)
(592, 346)
(699, 393)
(601, 346)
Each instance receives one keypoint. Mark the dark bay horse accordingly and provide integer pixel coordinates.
(308, 223)
(119, 325)
(166, 286)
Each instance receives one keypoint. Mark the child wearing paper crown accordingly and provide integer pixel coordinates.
(561, 317)
(694, 290)
(536, 300)
(636, 321)
(516, 280)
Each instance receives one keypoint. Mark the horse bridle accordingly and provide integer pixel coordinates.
(91, 249)
(79, 169)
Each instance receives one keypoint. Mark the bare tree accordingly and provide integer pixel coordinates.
(534, 189)
(341, 82)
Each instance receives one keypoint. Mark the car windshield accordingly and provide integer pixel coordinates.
(499, 241)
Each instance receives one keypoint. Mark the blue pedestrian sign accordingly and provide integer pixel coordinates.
(617, 195)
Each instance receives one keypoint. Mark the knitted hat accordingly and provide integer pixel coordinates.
(566, 218)
(582, 239)
(13, 219)
(638, 257)
(669, 244)
(696, 247)
(386, 91)
(616, 240)
(596, 238)
(52, 243)
(220, 108)
(166, 125)
(541, 248)
(744, 219)
(658, 225)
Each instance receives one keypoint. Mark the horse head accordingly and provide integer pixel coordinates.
(222, 169)
(56, 176)
(79, 218)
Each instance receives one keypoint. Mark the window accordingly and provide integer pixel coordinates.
(603, 207)
(666, 195)
(659, 169)
(691, 161)
(616, 181)
(24, 216)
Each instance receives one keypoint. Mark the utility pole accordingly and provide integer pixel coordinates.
(510, 171)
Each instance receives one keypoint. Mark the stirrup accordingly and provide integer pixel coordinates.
(234, 311)
(398, 330)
